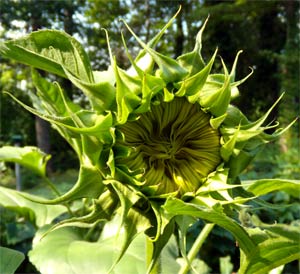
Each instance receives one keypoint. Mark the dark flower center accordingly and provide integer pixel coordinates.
(174, 146)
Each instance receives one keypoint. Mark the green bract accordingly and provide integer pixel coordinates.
(159, 141)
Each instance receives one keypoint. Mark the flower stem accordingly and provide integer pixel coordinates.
(149, 254)
(196, 247)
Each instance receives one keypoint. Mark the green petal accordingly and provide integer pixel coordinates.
(127, 90)
(215, 95)
(193, 61)
(193, 85)
(170, 70)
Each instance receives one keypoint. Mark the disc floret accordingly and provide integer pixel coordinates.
(173, 145)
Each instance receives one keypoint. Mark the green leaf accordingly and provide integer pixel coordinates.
(65, 251)
(168, 257)
(184, 223)
(235, 117)
(55, 101)
(228, 147)
(83, 122)
(127, 197)
(226, 266)
(129, 228)
(265, 186)
(150, 84)
(101, 94)
(89, 185)
(161, 242)
(276, 245)
(30, 157)
(144, 60)
(38, 213)
(52, 51)
(216, 122)
(241, 160)
(102, 210)
(50, 97)
(10, 260)
(54, 120)
(175, 207)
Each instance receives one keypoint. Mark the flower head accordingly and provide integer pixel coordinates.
(173, 145)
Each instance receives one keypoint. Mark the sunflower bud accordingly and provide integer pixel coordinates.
(173, 145)
(160, 139)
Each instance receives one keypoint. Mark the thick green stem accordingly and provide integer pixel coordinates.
(149, 254)
(196, 247)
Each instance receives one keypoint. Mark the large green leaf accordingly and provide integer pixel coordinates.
(10, 260)
(276, 245)
(215, 215)
(52, 51)
(64, 251)
(131, 222)
(38, 213)
(30, 157)
(265, 186)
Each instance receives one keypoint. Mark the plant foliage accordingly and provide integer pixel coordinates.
(119, 188)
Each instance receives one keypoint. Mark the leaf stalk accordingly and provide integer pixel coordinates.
(196, 247)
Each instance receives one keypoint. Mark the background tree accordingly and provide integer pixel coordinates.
(20, 16)
(290, 71)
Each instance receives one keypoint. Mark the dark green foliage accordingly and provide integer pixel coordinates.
(262, 29)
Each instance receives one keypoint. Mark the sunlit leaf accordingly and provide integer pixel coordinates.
(177, 207)
(37, 213)
(264, 186)
(30, 157)
(276, 245)
(226, 266)
(10, 260)
(65, 251)
(89, 185)
(50, 50)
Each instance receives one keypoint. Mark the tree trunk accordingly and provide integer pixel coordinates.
(42, 127)
(68, 28)
(179, 39)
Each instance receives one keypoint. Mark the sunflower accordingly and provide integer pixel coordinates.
(173, 145)
(159, 137)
